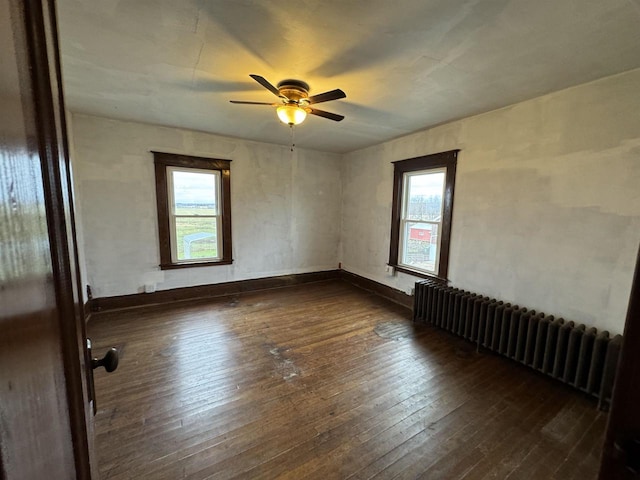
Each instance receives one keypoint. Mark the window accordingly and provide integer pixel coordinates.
(194, 210)
(421, 214)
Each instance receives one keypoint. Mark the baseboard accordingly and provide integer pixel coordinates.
(379, 289)
(233, 288)
(206, 291)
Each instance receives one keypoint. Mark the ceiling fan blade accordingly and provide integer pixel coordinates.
(252, 103)
(329, 115)
(326, 96)
(265, 83)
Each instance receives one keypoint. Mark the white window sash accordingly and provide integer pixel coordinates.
(404, 219)
(173, 216)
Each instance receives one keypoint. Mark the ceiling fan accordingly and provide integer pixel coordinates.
(295, 101)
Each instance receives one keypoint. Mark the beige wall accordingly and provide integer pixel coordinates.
(547, 202)
(285, 206)
(546, 211)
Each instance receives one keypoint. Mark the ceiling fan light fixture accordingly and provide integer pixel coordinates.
(291, 114)
(294, 101)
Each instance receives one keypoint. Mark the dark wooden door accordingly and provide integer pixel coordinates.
(621, 453)
(45, 420)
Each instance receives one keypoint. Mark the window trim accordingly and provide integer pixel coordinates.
(162, 161)
(446, 160)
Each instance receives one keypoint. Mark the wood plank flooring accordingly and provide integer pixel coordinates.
(324, 381)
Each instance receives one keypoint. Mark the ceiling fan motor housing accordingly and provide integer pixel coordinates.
(294, 90)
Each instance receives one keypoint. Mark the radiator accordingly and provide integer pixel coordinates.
(574, 354)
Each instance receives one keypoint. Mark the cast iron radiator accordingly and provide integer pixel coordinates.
(574, 354)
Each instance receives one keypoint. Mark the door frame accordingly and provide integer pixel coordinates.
(46, 84)
(624, 419)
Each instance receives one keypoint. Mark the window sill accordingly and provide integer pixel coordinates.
(415, 273)
(172, 266)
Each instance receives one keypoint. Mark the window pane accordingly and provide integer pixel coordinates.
(194, 193)
(196, 237)
(420, 246)
(424, 198)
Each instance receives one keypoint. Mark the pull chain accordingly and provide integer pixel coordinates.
(293, 137)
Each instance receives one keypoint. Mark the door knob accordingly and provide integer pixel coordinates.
(109, 361)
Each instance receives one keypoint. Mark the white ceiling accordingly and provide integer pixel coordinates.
(405, 65)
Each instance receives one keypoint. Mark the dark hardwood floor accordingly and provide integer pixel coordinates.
(325, 381)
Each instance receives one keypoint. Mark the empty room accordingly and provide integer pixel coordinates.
(264, 239)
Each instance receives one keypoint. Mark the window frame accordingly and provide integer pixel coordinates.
(173, 216)
(163, 162)
(436, 161)
(402, 231)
